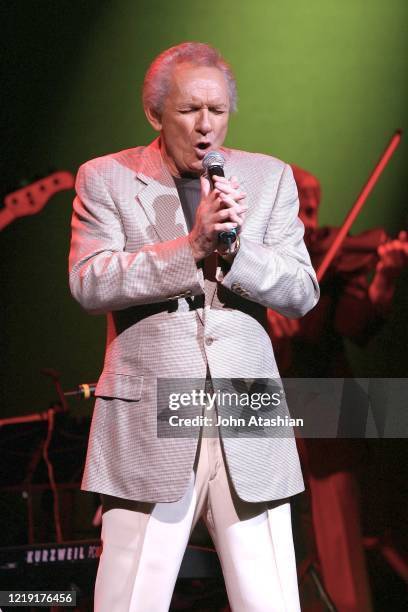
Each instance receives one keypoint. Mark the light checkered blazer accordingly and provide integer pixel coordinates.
(130, 259)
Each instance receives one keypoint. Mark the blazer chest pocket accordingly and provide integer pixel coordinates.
(120, 386)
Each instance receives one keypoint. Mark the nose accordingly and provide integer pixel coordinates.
(203, 125)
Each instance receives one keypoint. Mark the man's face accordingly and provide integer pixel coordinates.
(194, 119)
(309, 199)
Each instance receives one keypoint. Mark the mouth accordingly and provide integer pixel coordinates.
(201, 148)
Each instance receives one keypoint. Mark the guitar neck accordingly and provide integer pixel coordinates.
(31, 199)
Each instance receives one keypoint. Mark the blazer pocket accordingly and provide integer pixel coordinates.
(120, 386)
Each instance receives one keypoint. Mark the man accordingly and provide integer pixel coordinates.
(144, 243)
(350, 307)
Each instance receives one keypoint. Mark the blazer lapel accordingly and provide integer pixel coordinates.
(159, 197)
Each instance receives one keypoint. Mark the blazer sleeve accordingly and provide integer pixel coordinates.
(102, 275)
(277, 273)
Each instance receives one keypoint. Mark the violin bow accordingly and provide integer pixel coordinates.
(359, 203)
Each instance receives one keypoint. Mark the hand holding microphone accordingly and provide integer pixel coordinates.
(213, 163)
(220, 213)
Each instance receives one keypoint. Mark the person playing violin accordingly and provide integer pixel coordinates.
(353, 307)
(360, 306)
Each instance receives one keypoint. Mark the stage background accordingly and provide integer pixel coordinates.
(321, 84)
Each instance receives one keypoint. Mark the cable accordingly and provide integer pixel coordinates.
(57, 520)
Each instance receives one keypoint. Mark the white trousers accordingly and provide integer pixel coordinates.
(144, 544)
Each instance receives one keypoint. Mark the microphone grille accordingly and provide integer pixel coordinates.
(213, 158)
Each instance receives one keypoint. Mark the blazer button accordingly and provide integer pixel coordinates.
(209, 341)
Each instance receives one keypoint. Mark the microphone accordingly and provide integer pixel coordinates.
(213, 163)
(85, 391)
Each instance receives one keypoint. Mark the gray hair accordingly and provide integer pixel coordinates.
(157, 80)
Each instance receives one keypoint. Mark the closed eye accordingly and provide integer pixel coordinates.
(215, 111)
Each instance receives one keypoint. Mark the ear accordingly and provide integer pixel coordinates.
(153, 118)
